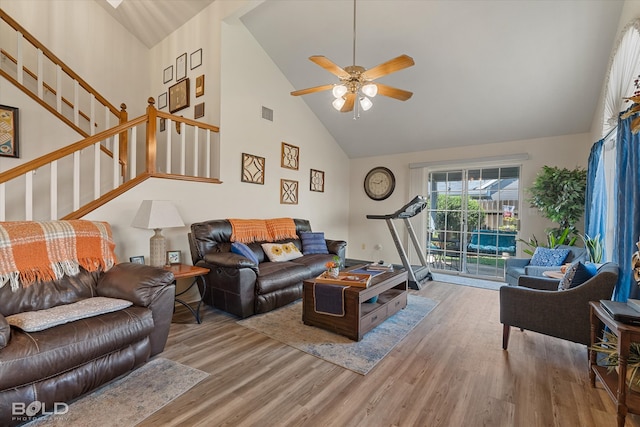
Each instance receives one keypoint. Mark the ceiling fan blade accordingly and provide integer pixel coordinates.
(393, 92)
(391, 66)
(349, 102)
(311, 90)
(329, 65)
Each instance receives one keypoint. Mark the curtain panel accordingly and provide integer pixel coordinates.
(627, 188)
(596, 195)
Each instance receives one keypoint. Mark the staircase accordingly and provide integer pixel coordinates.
(110, 159)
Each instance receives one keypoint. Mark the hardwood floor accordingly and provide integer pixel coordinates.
(449, 371)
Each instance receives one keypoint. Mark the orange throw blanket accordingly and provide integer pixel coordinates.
(32, 251)
(248, 230)
(281, 228)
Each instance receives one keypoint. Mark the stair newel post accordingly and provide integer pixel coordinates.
(151, 136)
(124, 142)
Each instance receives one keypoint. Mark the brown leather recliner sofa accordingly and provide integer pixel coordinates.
(241, 287)
(63, 362)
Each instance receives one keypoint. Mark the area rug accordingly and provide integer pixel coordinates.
(130, 399)
(285, 325)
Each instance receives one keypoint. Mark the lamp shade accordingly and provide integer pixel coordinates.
(157, 214)
(154, 214)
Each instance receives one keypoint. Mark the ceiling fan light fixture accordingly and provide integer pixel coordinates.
(370, 89)
(339, 91)
(365, 103)
(338, 103)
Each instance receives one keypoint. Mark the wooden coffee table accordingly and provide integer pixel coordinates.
(360, 317)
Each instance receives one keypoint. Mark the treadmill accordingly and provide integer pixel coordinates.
(418, 274)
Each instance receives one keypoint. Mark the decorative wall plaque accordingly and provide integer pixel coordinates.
(288, 192)
(290, 158)
(316, 181)
(252, 169)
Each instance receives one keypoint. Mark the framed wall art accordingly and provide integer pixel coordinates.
(199, 85)
(198, 111)
(162, 100)
(137, 259)
(167, 75)
(181, 67)
(179, 96)
(9, 131)
(316, 181)
(290, 157)
(196, 59)
(163, 124)
(252, 169)
(288, 192)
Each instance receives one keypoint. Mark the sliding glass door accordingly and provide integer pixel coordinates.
(472, 219)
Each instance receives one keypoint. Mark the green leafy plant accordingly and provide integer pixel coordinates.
(608, 347)
(594, 247)
(555, 238)
(559, 194)
(449, 213)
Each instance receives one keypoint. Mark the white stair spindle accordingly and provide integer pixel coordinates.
(19, 61)
(133, 149)
(53, 190)
(183, 144)
(96, 170)
(116, 162)
(92, 118)
(59, 89)
(76, 180)
(28, 196)
(195, 150)
(207, 153)
(169, 132)
(40, 73)
(76, 101)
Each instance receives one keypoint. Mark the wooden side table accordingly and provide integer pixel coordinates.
(183, 271)
(614, 383)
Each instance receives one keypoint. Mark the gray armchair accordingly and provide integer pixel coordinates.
(538, 306)
(516, 267)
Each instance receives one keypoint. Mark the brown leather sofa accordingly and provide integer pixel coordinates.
(237, 285)
(66, 361)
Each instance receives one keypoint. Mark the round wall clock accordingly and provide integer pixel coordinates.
(379, 183)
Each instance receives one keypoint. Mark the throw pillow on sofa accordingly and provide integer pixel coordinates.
(281, 251)
(245, 251)
(545, 257)
(576, 275)
(313, 243)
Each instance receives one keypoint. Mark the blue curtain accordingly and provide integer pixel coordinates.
(627, 190)
(595, 218)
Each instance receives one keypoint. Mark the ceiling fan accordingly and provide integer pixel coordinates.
(356, 82)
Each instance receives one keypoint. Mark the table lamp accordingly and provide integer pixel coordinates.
(156, 215)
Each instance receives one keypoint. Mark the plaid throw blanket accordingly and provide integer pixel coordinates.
(32, 251)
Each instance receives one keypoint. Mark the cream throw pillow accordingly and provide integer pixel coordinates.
(281, 251)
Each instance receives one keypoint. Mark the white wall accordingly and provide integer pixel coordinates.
(564, 151)
(245, 83)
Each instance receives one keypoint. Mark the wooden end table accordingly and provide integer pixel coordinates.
(360, 317)
(183, 271)
(614, 383)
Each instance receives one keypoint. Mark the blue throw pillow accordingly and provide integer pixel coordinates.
(576, 274)
(313, 243)
(545, 257)
(244, 250)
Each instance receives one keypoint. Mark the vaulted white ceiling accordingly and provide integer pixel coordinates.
(486, 70)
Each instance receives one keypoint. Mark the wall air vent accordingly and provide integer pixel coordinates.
(267, 114)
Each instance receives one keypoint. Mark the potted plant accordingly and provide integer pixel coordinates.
(559, 195)
(607, 346)
(594, 248)
(333, 267)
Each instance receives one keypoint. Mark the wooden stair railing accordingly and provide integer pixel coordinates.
(29, 49)
(106, 177)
